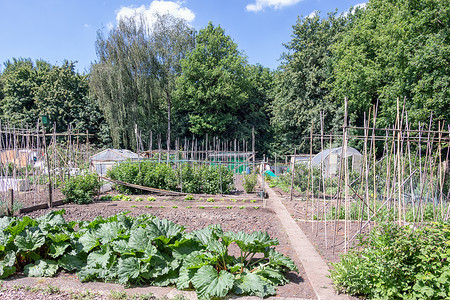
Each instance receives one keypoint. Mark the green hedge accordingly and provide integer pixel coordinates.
(195, 178)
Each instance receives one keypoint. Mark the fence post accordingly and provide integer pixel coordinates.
(50, 194)
(10, 202)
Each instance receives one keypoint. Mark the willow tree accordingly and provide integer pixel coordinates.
(122, 81)
(133, 79)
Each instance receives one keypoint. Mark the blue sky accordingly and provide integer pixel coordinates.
(55, 30)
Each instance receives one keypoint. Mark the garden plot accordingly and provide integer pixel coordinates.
(247, 219)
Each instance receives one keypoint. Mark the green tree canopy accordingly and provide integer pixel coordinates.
(213, 86)
(396, 49)
(300, 93)
(30, 90)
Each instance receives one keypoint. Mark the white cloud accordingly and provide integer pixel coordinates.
(110, 26)
(277, 4)
(157, 7)
(352, 11)
(312, 14)
(86, 25)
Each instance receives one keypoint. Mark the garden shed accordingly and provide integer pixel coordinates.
(104, 160)
(330, 159)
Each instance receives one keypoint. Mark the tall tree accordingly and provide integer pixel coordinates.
(171, 39)
(134, 77)
(396, 49)
(123, 81)
(213, 86)
(300, 91)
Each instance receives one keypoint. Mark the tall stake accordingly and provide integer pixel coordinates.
(346, 191)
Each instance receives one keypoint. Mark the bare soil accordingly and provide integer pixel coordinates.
(328, 236)
(240, 212)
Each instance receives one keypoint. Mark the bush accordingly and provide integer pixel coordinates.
(81, 188)
(398, 262)
(250, 182)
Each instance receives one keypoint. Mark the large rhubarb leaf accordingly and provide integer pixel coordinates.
(5, 222)
(51, 220)
(163, 230)
(89, 240)
(121, 246)
(185, 278)
(108, 232)
(57, 249)
(41, 268)
(140, 239)
(256, 241)
(129, 268)
(6, 271)
(253, 284)
(183, 247)
(211, 232)
(210, 284)
(58, 237)
(30, 239)
(102, 257)
(19, 225)
(278, 259)
(70, 262)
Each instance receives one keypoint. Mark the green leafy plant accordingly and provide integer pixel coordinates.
(143, 250)
(106, 198)
(229, 207)
(81, 188)
(210, 200)
(194, 178)
(396, 262)
(250, 182)
(151, 199)
(139, 199)
(241, 207)
(189, 197)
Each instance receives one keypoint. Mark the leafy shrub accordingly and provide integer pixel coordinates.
(195, 178)
(189, 197)
(250, 182)
(398, 262)
(81, 188)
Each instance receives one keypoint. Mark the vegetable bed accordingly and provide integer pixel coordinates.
(236, 219)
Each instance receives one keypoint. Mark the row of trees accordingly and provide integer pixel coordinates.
(32, 91)
(171, 81)
(175, 82)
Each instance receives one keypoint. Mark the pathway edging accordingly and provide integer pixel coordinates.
(315, 267)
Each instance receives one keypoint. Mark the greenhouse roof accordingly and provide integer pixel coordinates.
(114, 155)
(320, 157)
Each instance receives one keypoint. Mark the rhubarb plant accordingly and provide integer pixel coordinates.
(143, 250)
